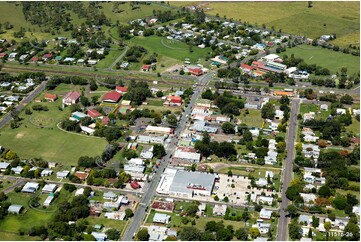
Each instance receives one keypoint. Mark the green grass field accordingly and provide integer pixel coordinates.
(170, 51)
(49, 143)
(342, 18)
(252, 119)
(330, 59)
(354, 127)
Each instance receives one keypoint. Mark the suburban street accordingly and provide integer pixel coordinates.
(152, 186)
(282, 231)
(7, 117)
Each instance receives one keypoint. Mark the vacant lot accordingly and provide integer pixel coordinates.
(38, 136)
(252, 119)
(342, 18)
(330, 59)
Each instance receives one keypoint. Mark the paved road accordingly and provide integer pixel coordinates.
(99, 188)
(288, 171)
(17, 183)
(118, 59)
(152, 186)
(7, 117)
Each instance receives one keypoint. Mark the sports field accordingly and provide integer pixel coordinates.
(330, 59)
(342, 18)
(170, 52)
(38, 136)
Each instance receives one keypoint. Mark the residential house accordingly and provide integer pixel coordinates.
(110, 196)
(308, 197)
(49, 188)
(161, 218)
(158, 130)
(46, 172)
(262, 226)
(62, 174)
(324, 107)
(112, 97)
(48, 200)
(308, 116)
(115, 215)
(219, 210)
(340, 111)
(17, 170)
(30, 187)
(4, 166)
(99, 236)
(121, 89)
(265, 214)
(50, 97)
(70, 98)
(94, 114)
(265, 200)
(173, 101)
(261, 182)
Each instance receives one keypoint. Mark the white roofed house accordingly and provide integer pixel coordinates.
(15, 209)
(340, 111)
(308, 198)
(49, 188)
(310, 138)
(219, 210)
(17, 170)
(188, 154)
(261, 182)
(110, 195)
(265, 200)
(30, 187)
(136, 162)
(262, 226)
(161, 218)
(265, 214)
(62, 174)
(46, 172)
(4, 166)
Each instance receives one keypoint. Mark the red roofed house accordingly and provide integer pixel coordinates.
(94, 113)
(247, 68)
(121, 89)
(173, 101)
(146, 68)
(81, 175)
(35, 59)
(196, 71)
(134, 185)
(50, 97)
(2, 55)
(71, 98)
(112, 97)
(105, 120)
(47, 57)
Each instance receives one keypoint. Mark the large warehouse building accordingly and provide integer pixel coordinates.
(182, 183)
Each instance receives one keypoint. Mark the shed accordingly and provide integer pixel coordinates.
(16, 209)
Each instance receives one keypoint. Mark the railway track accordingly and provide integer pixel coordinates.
(12, 69)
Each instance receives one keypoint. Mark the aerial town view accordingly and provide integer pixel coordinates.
(179, 121)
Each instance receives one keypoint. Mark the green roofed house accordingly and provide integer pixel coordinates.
(58, 58)
(123, 110)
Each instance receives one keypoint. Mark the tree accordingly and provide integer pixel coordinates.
(268, 111)
(3, 196)
(228, 128)
(327, 225)
(324, 191)
(84, 101)
(159, 94)
(351, 232)
(143, 235)
(292, 211)
(292, 192)
(128, 213)
(340, 202)
(112, 234)
(294, 231)
(254, 232)
(315, 221)
(346, 99)
(207, 236)
(189, 234)
(224, 235)
(207, 94)
(310, 233)
(241, 234)
(172, 120)
(158, 151)
(11, 155)
(229, 173)
(247, 135)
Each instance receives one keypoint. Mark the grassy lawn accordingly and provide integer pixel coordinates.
(110, 58)
(252, 119)
(4, 184)
(155, 102)
(172, 49)
(160, 108)
(38, 136)
(305, 108)
(330, 59)
(341, 18)
(108, 223)
(354, 127)
(26, 220)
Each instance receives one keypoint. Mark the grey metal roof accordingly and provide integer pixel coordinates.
(182, 179)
